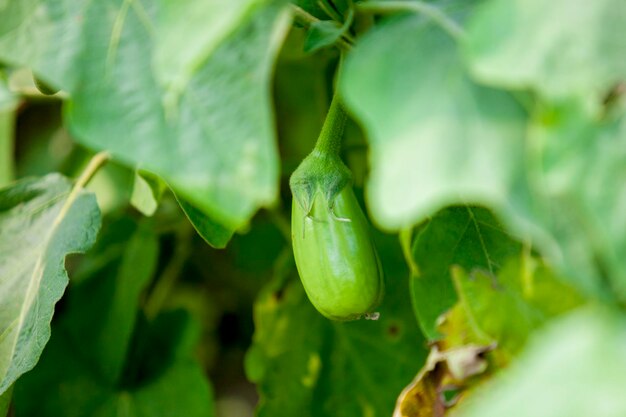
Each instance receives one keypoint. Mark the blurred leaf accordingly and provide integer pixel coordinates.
(40, 224)
(208, 228)
(312, 7)
(435, 137)
(561, 49)
(147, 192)
(8, 104)
(366, 361)
(456, 329)
(43, 87)
(578, 183)
(576, 367)
(170, 382)
(322, 34)
(106, 299)
(176, 59)
(195, 139)
(5, 401)
(112, 185)
(469, 237)
(508, 307)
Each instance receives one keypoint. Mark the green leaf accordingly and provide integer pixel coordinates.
(8, 105)
(112, 185)
(147, 192)
(312, 7)
(41, 223)
(323, 34)
(367, 362)
(5, 401)
(213, 141)
(215, 234)
(436, 138)
(207, 24)
(506, 308)
(577, 177)
(45, 35)
(468, 237)
(561, 49)
(575, 367)
(126, 257)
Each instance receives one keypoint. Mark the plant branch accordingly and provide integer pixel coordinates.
(329, 10)
(406, 241)
(428, 10)
(94, 165)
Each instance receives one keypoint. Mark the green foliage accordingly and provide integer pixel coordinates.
(323, 34)
(7, 120)
(226, 167)
(506, 308)
(487, 137)
(445, 140)
(464, 237)
(562, 49)
(5, 401)
(42, 221)
(171, 382)
(113, 358)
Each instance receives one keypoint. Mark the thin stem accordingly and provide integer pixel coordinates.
(302, 16)
(406, 240)
(329, 10)
(329, 141)
(171, 272)
(432, 12)
(94, 165)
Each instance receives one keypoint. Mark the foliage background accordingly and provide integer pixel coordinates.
(487, 142)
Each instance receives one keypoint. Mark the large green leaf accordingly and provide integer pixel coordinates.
(114, 360)
(41, 222)
(578, 182)
(197, 113)
(468, 237)
(574, 368)
(339, 369)
(560, 48)
(436, 138)
(207, 24)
